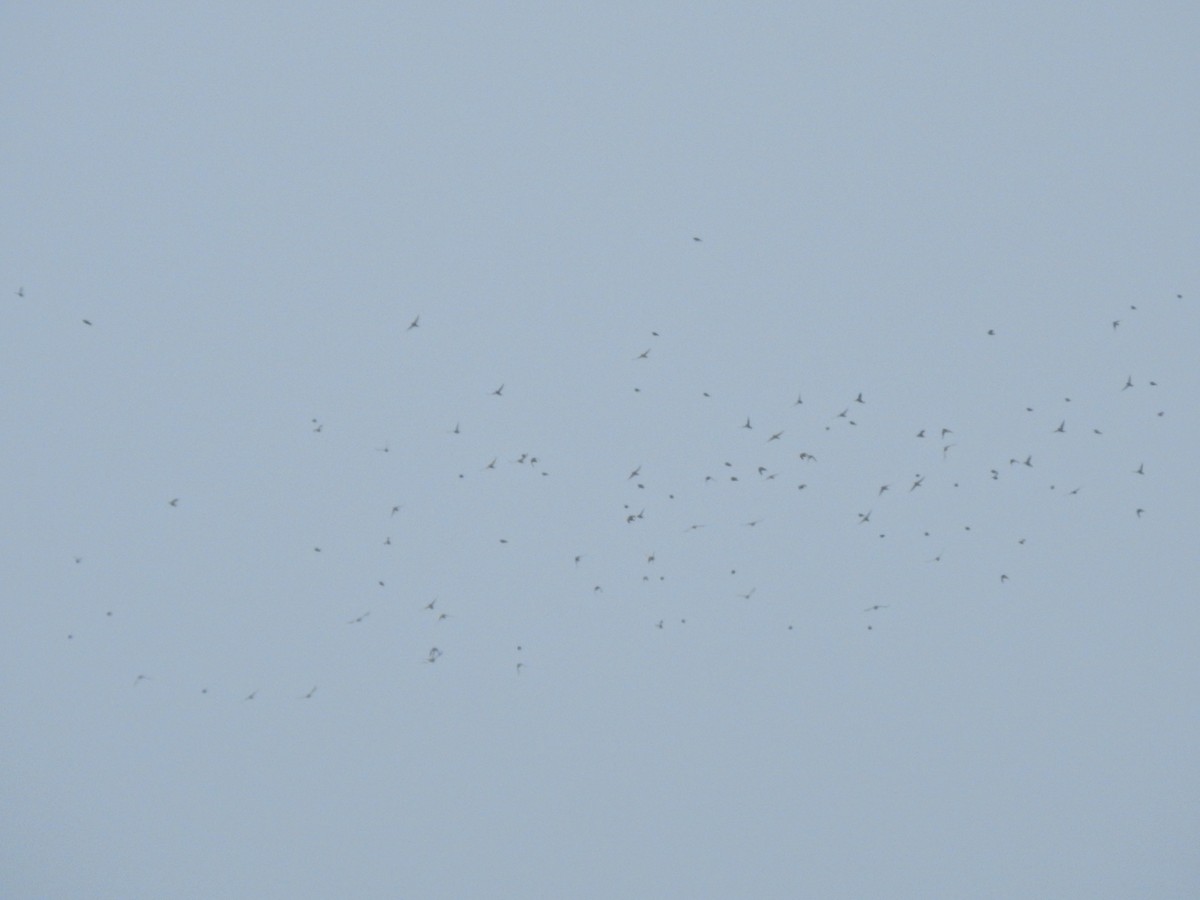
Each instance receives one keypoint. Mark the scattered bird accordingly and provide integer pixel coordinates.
(498, 392)
(174, 502)
(415, 323)
(308, 696)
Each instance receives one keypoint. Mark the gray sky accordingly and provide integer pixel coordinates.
(249, 206)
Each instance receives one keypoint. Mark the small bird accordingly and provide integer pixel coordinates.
(1003, 578)
(916, 484)
(883, 488)
(992, 331)
(799, 400)
(634, 473)
(921, 433)
(875, 607)
(498, 392)
(252, 695)
(359, 619)
(1140, 470)
(696, 239)
(645, 354)
(776, 436)
(863, 518)
(414, 324)
(1062, 427)
(747, 425)
(396, 509)
(308, 696)
(86, 322)
(174, 502)
(21, 292)
(859, 399)
(1128, 383)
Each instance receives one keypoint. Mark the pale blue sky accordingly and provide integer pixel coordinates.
(251, 203)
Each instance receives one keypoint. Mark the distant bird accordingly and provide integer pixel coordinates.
(578, 558)
(1115, 323)
(456, 429)
(946, 431)
(434, 653)
(396, 509)
(645, 354)
(875, 607)
(1062, 427)
(359, 619)
(916, 484)
(430, 604)
(1140, 470)
(921, 433)
(1139, 513)
(859, 399)
(799, 400)
(883, 488)
(696, 239)
(86, 322)
(634, 473)
(1128, 383)
(415, 323)
(776, 436)
(748, 594)
(747, 425)
(174, 502)
(140, 679)
(308, 696)
(498, 392)
(808, 456)
(21, 292)
(991, 331)
(252, 695)
(863, 518)
(492, 464)
(1003, 578)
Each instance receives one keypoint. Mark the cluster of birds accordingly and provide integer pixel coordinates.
(771, 455)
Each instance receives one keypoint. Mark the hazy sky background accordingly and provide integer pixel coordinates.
(250, 203)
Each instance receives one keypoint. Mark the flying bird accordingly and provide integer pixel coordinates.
(415, 323)
(498, 392)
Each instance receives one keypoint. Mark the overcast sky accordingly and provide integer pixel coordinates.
(588, 585)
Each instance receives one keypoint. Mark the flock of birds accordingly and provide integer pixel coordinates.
(786, 455)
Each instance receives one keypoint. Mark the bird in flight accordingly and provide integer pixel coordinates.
(875, 607)
(252, 695)
(1128, 383)
(174, 502)
(916, 484)
(308, 696)
(21, 292)
(883, 488)
(498, 392)
(747, 425)
(859, 399)
(645, 354)
(1062, 427)
(634, 473)
(414, 324)
(86, 322)
(359, 619)
(799, 400)
(863, 518)
(776, 436)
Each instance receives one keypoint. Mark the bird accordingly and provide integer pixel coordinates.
(359, 619)
(799, 400)
(1128, 383)
(1062, 427)
(859, 399)
(174, 502)
(21, 291)
(883, 488)
(863, 518)
(308, 696)
(645, 354)
(396, 509)
(252, 694)
(634, 473)
(498, 392)
(916, 484)
(1003, 578)
(875, 607)
(1140, 470)
(747, 425)
(415, 323)
(776, 436)
(86, 322)
(696, 239)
